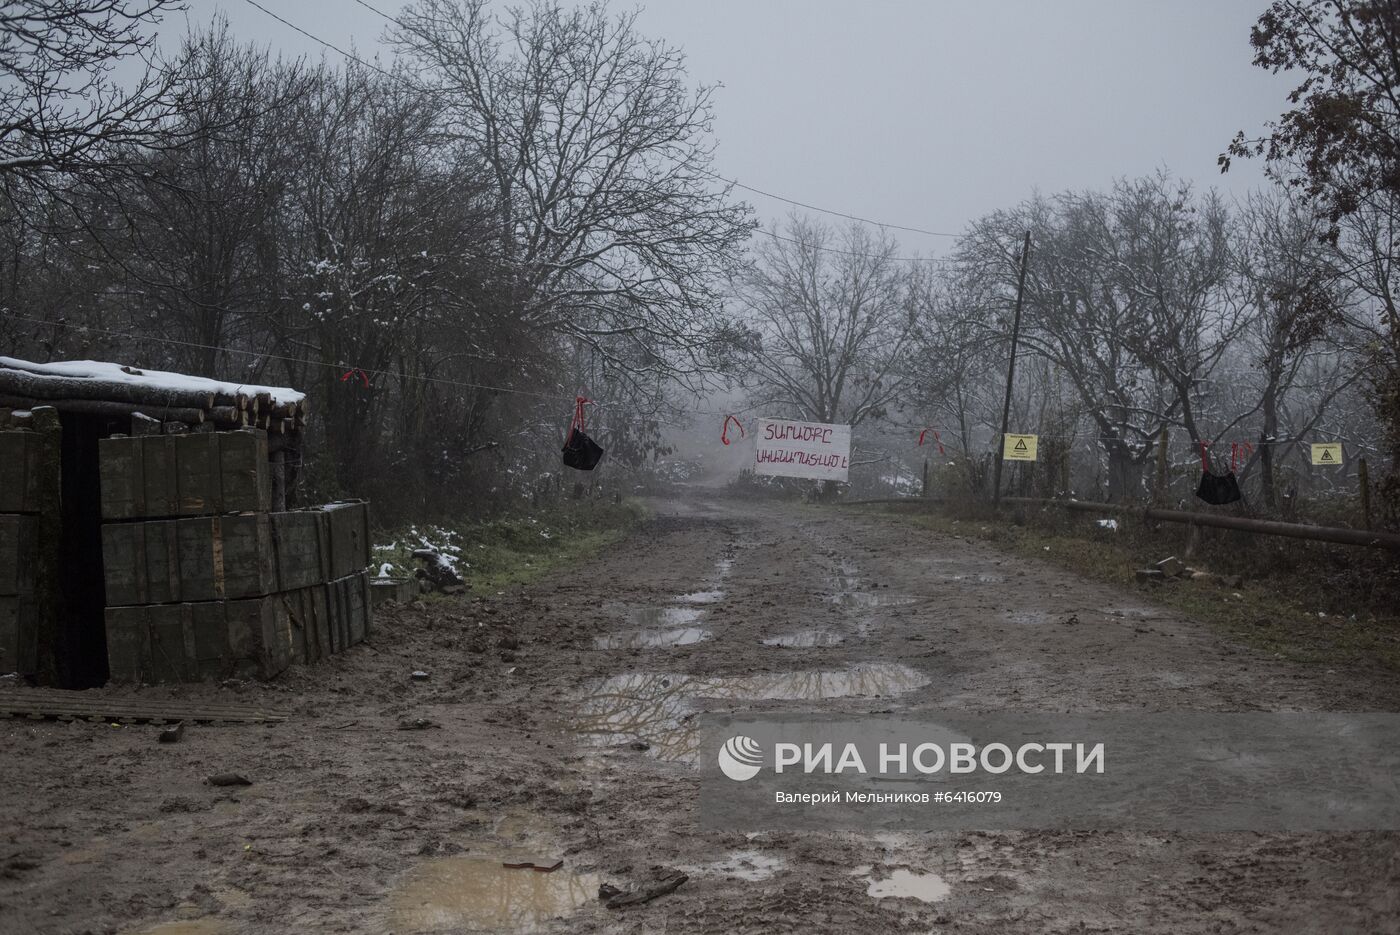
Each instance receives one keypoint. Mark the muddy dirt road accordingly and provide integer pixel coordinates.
(559, 730)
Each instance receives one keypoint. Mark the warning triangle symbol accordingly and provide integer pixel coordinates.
(1020, 445)
(1327, 454)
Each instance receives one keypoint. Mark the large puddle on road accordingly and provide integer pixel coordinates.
(478, 894)
(186, 927)
(710, 596)
(655, 708)
(902, 884)
(656, 628)
(865, 600)
(653, 639)
(806, 639)
(653, 617)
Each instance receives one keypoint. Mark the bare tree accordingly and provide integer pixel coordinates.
(191, 235)
(612, 231)
(1076, 315)
(1338, 144)
(833, 322)
(63, 113)
(1291, 286)
(1126, 294)
(1173, 259)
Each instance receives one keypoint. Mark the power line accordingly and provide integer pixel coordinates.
(318, 39)
(715, 175)
(421, 89)
(868, 256)
(374, 9)
(840, 214)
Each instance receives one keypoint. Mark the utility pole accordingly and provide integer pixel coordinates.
(1010, 371)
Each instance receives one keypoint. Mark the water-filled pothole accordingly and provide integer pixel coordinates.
(653, 708)
(186, 927)
(806, 639)
(653, 639)
(479, 894)
(653, 617)
(710, 596)
(864, 600)
(902, 884)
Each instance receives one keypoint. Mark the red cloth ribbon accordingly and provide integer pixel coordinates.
(1240, 452)
(577, 421)
(364, 377)
(1205, 459)
(724, 432)
(936, 439)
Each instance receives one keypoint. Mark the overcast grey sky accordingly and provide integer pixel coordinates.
(925, 114)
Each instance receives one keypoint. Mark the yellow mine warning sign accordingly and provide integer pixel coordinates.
(1018, 448)
(1329, 453)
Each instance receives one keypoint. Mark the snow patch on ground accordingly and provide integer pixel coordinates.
(445, 542)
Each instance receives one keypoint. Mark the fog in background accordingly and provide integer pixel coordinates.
(923, 114)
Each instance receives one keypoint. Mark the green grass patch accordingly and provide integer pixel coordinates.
(1304, 601)
(495, 554)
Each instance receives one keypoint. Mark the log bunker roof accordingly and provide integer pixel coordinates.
(98, 380)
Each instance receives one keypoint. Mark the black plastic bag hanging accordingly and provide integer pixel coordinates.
(1216, 489)
(580, 452)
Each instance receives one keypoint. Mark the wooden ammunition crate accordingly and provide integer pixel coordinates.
(17, 628)
(19, 470)
(398, 590)
(349, 604)
(307, 613)
(196, 559)
(349, 536)
(202, 473)
(17, 556)
(195, 641)
(301, 542)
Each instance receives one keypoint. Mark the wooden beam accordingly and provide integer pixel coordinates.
(39, 386)
(109, 408)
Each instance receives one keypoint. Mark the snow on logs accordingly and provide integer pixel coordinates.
(147, 396)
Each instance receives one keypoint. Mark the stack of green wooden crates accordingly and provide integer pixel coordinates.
(20, 459)
(204, 581)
